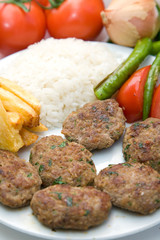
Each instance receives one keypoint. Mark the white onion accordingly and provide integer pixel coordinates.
(127, 21)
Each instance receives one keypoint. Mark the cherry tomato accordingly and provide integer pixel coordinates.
(18, 28)
(75, 18)
(155, 108)
(130, 95)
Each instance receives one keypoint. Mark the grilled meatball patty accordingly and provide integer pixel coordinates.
(60, 161)
(67, 207)
(142, 142)
(96, 125)
(133, 186)
(18, 180)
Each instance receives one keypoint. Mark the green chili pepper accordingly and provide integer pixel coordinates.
(155, 48)
(149, 86)
(108, 86)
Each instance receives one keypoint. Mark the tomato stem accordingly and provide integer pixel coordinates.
(19, 3)
(53, 4)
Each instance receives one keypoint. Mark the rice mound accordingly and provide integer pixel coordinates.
(61, 74)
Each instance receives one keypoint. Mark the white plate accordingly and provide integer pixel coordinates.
(120, 222)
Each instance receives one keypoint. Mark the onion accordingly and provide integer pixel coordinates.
(126, 21)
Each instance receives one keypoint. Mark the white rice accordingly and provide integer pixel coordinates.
(61, 74)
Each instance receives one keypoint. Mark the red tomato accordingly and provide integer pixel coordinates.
(18, 28)
(155, 108)
(75, 18)
(130, 95)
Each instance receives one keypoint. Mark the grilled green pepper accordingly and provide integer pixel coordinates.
(149, 86)
(155, 48)
(108, 86)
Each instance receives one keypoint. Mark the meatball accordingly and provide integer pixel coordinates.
(141, 142)
(96, 125)
(19, 180)
(132, 186)
(61, 162)
(67, 207)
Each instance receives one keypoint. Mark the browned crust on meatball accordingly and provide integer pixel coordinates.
(63, 162)
(96, 125)
(67, 207)
(142, 142)
(19, 180)
(132, 186)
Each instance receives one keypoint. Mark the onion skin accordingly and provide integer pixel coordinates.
(127, 21)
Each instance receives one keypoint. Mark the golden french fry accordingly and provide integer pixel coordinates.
(15, 119)
(10, 138)
(20, 93)
(13, 103)
(28, 137)
(39, 128)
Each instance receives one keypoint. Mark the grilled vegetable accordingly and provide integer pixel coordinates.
(108, 86)
(155, 108)
(149, 86)
(155, 47)
(130, 95)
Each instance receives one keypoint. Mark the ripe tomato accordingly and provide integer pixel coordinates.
(75, 18)
(155, 108)
(18, 28)
(130, 95)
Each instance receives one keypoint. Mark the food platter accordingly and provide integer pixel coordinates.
(120, 222)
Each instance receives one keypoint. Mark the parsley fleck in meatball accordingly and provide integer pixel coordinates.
(132, 186)
(61, 162)
(67, 207)
(96, 125)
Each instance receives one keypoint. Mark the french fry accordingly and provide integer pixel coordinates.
(12, 103)
(15, 119)
(10, 138)
(19, 117)
(28, 137)
(39, 128)
(20, 93)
